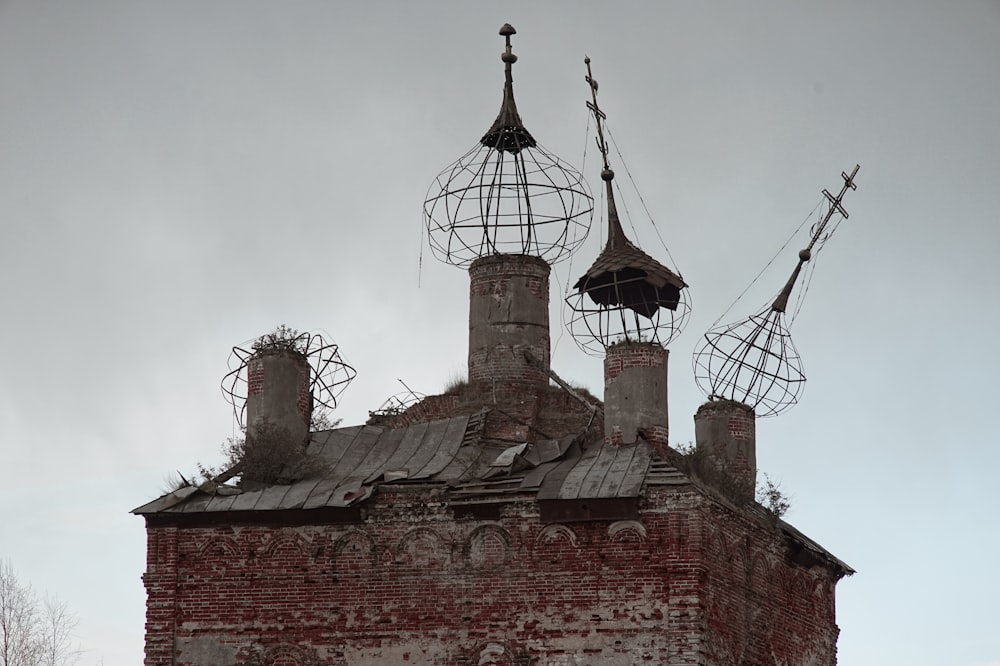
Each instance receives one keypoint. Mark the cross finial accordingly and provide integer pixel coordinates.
(607, 174)
(616, 235)
(805, 254)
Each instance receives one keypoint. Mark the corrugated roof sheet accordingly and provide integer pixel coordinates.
(449, 451)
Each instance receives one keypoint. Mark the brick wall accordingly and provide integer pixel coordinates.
(508, 315)
(278, 392)
(518, 412)
(414, 582)
(762, 609)
(635, 394)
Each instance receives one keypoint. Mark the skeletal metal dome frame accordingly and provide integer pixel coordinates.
(494, 202)
(329, 373)
(752, 361)
(507, 195)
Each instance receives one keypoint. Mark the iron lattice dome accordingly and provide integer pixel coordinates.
(507, 195)
(329, 373)
(626, 295)
(754, 360)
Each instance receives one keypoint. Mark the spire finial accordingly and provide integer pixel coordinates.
(626, 296)
(781, 302)
(506, 30)
(616, 235)
(508, 132)
(507, 195)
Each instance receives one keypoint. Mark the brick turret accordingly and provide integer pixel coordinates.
(508, 315)
(278, 394)
(727, 431)
(635, 393)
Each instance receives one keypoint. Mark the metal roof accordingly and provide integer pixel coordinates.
(453, 453)
(450, 451)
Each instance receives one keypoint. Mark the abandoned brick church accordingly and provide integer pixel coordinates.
(513, 519)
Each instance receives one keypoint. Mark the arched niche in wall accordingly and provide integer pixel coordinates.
(423, 548)
(556, 545)
(488, 546)
(354, 552)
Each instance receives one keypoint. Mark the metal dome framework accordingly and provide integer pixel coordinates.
(507, 195)
(754, 360)
(399, 402)
(329, 373)
(626, 295)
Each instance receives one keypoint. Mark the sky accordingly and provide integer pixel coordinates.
(180, 177)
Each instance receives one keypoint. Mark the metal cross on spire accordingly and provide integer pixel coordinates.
(626, 295)
(616, 235)
(836, 206)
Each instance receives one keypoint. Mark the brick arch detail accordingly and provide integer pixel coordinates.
(285, 538)
(482, 533)
(719, 546)
(622, 529)
(356, 537)
(284, 654)
(554, 532)
(213, 544)
(439, 545)
(492, 653)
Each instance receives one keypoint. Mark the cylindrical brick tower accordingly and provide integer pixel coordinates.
(278, 394)
(508, 315)
(726, 430)
(635, 393)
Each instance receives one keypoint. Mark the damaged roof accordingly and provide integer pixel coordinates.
(450, 451)
(560, 473)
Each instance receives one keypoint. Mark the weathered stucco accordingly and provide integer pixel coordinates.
(690, 582)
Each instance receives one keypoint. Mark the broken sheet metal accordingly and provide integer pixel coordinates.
(360, 458)
(356, 459)
(600, 472)
(507, 456)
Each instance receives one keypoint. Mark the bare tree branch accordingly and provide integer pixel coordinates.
(33, 632)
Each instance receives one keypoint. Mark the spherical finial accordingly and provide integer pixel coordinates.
(607, 174)
(586, 60)
(508, 56)
(805, 254)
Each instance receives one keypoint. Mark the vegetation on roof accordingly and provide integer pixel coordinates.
(697, 463)
(282, 338)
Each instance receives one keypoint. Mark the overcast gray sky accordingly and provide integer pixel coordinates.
(179, 177)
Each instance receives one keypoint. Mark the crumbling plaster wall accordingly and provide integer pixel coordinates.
(412, 583)
(762, 608)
